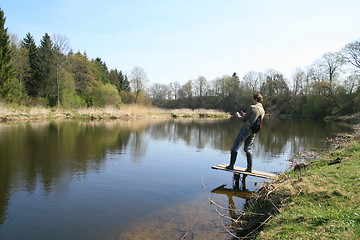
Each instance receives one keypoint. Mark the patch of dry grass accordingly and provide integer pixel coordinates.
(125, 111)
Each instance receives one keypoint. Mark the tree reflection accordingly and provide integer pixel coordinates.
(273, 139)
(42, 155)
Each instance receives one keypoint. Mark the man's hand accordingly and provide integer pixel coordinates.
(237, 114)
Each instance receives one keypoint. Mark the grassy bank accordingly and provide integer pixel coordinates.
(20, 113)
(317, 200)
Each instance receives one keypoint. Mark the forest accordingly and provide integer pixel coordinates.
(51, 74)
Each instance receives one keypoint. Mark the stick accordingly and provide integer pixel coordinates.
(183, 236)
(257, 227)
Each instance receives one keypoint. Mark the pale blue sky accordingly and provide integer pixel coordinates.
(180, 40)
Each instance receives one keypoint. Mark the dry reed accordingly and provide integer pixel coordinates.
(126, 111)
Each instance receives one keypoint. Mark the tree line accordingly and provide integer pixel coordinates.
(329, 86)
(51, 74)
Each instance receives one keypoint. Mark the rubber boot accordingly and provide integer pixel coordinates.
(249, 162)
(232, 160)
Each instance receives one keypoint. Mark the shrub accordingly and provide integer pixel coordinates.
(69, 99)
(106, 95)
(127, 97)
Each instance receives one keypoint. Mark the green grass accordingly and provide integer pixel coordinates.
(324, 200)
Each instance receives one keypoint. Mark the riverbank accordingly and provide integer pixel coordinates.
(353, 118)
(317, 200)
(125, 112)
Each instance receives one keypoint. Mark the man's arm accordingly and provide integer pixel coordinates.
(248, 113)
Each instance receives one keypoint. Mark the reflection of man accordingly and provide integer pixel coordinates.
(235, 191)
(246, 134)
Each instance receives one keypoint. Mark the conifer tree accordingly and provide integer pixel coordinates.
(30, 83)
(45, 72)
(124, 82)
(101, 70)
(6, 69)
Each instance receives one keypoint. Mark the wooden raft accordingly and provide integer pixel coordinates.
(240, 170)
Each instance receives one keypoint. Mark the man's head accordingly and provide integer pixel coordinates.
(258, 97)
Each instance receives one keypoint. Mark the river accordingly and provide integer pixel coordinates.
(135, 179)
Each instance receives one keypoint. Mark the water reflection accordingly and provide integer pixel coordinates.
(47, 157)
(237, 191)
(278, 135)
(273, 139)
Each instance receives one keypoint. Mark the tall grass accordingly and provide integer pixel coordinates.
(8, 109)
(139, 110)
(4, 110)
(13, 112)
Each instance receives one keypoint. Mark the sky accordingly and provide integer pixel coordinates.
(182, 40)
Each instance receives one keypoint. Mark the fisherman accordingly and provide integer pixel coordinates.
(247, 135)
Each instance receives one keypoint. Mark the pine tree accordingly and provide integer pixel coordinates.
(6, 69)
(30, 83)
(45, 69)
(124, 82)
(101, 70)
(114, 78)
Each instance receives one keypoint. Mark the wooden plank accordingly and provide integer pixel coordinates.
(240, 170)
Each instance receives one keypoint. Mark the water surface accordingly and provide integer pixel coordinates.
(133, 179)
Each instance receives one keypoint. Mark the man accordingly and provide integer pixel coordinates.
(246, 134)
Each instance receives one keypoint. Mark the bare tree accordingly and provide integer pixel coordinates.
(307, 85)
(211, 90)
(159, 92)
(61, 48)
(200, 85)
(219, 86)
(252, 81)
(175, 87)
(138, 81)
(299, 78)
(352, 82)
(332, 62)
(315, 72)
(351, 53)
